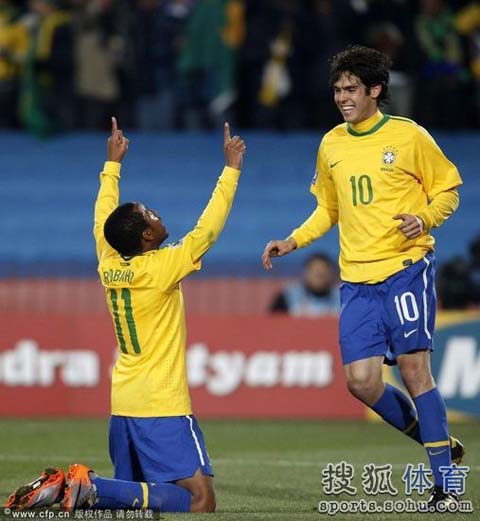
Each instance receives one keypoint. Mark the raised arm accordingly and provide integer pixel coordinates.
(211, 222)
(108, 194)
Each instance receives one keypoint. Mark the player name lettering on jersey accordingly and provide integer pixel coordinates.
(120, 276)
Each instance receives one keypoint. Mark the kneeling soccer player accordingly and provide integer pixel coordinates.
(156, 445)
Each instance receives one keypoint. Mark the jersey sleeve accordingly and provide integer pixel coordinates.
(440, 209)
(107, 201)
(325, 216)
(437, 174)
(181, 259)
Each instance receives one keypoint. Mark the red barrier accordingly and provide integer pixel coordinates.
(272, 367)
(218, 295)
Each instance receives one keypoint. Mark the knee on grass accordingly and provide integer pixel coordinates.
(203, 501)
(202, 492)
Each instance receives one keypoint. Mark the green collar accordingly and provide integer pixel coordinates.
(376, 127)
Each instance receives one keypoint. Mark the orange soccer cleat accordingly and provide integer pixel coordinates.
(79, 490)
(42, 492)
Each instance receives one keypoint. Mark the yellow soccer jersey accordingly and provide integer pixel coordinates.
(385, 166)
(145, 301)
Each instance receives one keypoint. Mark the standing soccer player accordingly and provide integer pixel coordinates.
(156, 445)
(374, 171)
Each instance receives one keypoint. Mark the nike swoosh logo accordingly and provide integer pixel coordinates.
(136, 502)
(334, 164)
(406, 335)
(436, 453)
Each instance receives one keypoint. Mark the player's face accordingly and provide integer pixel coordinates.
(154, 221)
(352, 99)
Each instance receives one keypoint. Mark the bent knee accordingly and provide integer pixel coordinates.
(204, 502)
(367, 390)
(359, 387)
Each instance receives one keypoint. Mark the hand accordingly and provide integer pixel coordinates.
(117, 144)
(411, 227)
(277, 249)
(234, 149)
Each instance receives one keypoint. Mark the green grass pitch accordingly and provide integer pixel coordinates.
(265, 470)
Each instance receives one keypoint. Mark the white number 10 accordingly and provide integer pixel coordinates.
(407, 308)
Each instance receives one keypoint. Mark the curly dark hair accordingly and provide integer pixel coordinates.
(369, 65)
(123, 229)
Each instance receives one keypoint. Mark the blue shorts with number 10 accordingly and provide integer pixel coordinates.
(390, 318)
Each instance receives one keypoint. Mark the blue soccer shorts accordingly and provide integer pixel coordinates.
(390, 318)
(158, 450)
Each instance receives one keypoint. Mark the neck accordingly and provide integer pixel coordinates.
(149, 248)
(367, 124)
(151, 245)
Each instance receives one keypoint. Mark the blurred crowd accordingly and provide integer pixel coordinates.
(189, 64)
(458, 280)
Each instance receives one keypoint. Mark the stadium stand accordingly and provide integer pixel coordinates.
(49, 189)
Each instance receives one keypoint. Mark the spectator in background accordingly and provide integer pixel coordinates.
(455, 284)
(390, 29)
(167, 64)
(207, 62)
(13, 50)
(315, 295)
(468, 24)
(328, 22)
(279, 50)
(442, 75)
(100, 48)
(47, 99)
(157, 42)
(459, 280)
(475, 270)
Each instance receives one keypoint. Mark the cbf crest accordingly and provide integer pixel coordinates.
(389, 156)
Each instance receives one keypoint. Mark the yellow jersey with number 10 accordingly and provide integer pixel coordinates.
(366, 178)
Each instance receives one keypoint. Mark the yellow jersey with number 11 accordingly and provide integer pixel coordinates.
(145, 301)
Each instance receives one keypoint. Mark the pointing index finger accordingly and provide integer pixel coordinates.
(226, 133)
(114, 126)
